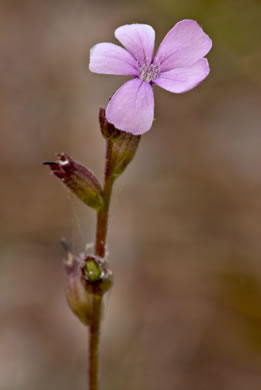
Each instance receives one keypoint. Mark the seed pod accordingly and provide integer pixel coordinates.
(98, 278)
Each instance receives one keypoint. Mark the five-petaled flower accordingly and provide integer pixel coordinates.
(178, 66)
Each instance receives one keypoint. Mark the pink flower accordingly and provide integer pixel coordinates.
(178, 66)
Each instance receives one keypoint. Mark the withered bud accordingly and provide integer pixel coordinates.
(80, 180)
(98, 278)
(78, 296)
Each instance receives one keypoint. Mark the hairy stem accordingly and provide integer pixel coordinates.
(101, 233)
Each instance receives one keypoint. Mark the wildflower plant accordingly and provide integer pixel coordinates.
(178, 66)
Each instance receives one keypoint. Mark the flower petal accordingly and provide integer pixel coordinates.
(183, 79)
(184, 44)
(108, 58)
(131, 108)
(139, 41)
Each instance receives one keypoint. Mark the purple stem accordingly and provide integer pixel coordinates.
(101, 233)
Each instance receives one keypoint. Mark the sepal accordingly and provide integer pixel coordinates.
(123, 151)
(78, 297)
(123, 145)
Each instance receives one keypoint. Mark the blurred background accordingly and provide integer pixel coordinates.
(185, 229)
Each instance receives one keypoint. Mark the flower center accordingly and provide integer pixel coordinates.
(148, 72)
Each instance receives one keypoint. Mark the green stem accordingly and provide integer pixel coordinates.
(101, 233)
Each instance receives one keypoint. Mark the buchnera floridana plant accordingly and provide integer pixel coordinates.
(178, 66)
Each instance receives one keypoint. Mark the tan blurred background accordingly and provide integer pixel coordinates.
(185, 228)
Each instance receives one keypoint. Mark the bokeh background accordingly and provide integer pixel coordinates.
(185, 228)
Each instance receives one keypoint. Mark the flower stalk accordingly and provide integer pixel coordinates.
(94, 338)
(101, 233)
(103, 213)
(120, 150)
(88, 278)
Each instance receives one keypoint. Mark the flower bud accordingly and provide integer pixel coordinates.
(80, 180)
(78, 296)
(98, 278)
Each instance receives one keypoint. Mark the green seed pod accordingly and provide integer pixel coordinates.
(98, 278)
(92, 270)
